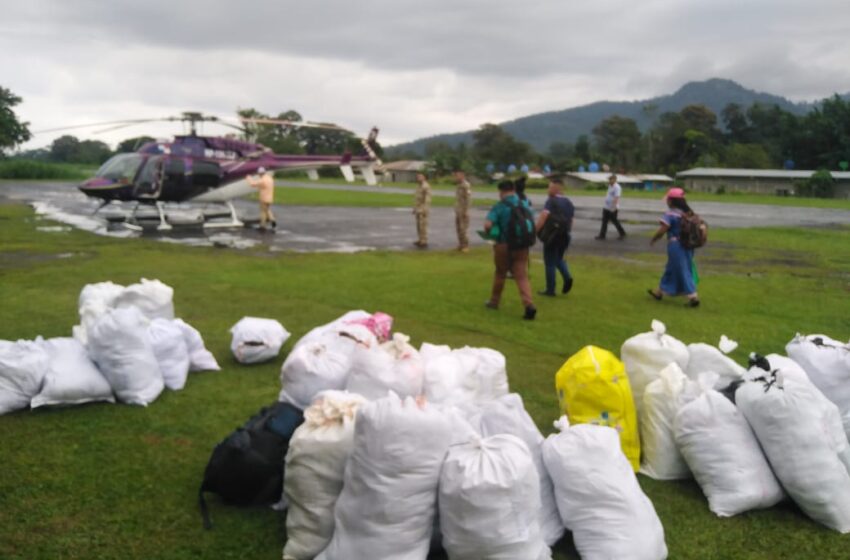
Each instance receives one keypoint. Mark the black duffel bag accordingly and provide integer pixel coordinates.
(246, 468)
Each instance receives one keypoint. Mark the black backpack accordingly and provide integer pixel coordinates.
(520, 232)
(555, 228)
(246, 468)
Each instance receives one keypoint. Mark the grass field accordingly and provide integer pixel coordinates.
(120, 482)
(735, 198)
(297, 196)
(24, 169)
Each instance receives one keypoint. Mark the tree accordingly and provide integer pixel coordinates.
(618, 141)
(493, 144)
(132, 144)
(92, 151)
(700, 118)
(68, 149)
(582, 149)
(735, 121)
(826, 130)
(64, 148)
(747, 156)
(12, 131)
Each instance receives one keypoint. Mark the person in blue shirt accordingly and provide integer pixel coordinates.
(560, 208)
(505, 259)
(678, 277)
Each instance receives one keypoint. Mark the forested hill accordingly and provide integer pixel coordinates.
(542, 129)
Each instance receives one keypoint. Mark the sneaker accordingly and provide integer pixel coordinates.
(530, 313)
(620, 238)
(568, 285)
(491, 305)
(545, 293)
(274, 224)
(692, 303)
(654, 295)
(599, 238)
(464, 249)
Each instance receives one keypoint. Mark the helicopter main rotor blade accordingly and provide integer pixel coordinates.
(126, 122)
(300, 124)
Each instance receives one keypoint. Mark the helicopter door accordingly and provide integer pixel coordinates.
(149, 183)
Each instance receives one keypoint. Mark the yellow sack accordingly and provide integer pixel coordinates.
(593, 388)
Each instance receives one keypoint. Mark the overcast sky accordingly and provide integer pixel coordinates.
(414, 68)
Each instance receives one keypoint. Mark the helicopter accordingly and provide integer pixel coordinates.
(207, 169)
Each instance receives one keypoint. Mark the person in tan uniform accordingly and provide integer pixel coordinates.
(463, 199)
(264, 183)
(421, 208)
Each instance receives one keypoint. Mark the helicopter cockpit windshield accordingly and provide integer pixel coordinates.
(121, 168)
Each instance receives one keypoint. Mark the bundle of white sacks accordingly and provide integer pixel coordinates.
(402, 449)
(747, 436)
(128, 346)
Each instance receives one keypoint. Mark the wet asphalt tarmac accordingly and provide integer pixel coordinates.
(344, 229)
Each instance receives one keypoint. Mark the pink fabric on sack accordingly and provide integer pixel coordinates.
(379, 323)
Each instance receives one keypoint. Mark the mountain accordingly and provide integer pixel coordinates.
(542, 129)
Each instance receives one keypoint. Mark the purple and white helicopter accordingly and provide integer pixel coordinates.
(208, 169)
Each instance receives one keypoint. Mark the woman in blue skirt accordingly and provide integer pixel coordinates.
(678, 278)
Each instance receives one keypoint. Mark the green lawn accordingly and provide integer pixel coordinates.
(299, 196)
(115, 481)
(736, 198)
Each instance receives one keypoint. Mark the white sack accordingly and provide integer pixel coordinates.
(23, 365)
(491, 373)
(393, 366)
(705, 358)
(645, 355)
(660, 457)
(790, 368)
(200, 359)
(321, 363)
(463, 375)
(448, 377)
(119, 345)
(172, 355)
(315, 465)
(828, 367)
(507, 415)
(257, 340)
(153, 298)
(599, 497)
(723, 453)
(801, 434)
(335, 325)
(489, 499)
(95, 300)
(72, 378)
(388, 500)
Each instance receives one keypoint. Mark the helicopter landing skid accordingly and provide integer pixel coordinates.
(132, 222)
(234, 222)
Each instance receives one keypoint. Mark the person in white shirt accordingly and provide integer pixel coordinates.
(612, 206)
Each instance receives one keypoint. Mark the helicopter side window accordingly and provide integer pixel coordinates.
(205, 173)
(150, 180)
(121, 168)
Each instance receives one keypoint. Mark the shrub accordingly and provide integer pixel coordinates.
(30, 169)
(819, 185)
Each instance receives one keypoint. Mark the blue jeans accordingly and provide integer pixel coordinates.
(553, 259)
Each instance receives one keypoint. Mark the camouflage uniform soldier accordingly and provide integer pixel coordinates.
(421, 207)
(463, 199)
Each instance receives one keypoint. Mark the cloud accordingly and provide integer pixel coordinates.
(413, 68)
